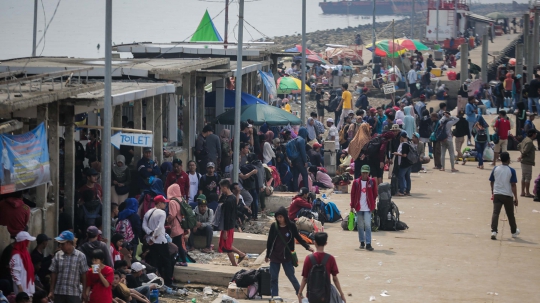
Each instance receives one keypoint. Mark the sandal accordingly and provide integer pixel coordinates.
(455, 170)
(240, 259)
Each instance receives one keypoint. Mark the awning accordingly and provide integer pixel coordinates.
(230, 99)
(480, 18)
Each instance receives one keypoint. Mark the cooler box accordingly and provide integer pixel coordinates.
(438, 55)
(437, 72)
(451, 75)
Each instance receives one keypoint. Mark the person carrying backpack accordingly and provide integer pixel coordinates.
(404, 172)
(129, 221)
(363, 195)
(174, 219)
(316, 275)
(296, 152)
(280, 250)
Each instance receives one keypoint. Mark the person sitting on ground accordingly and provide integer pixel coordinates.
(320, 179)
(204, 216)
(120, 291)
(299, 202)
(137, 277)
(314, 154)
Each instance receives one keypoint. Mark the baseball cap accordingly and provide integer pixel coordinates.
(365, 169)
(147, 149)
(316, 145)
(93, 231)
(91, 172)
(201, 198)
(399, 122)
(160, 199)
(137, 266)
(23, 236)
(42, 238)
(404, 135)
(373, 110)
(210, 164)
(65, 236)
(330, 120)
(417, 135)
(303, 191)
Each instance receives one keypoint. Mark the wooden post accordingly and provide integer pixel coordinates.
(150, 120)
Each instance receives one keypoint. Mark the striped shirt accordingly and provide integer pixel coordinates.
(69, 269)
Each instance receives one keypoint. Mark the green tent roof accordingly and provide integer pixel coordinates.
(206, 31)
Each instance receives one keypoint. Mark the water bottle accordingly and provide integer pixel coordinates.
(389, 216)
(154, 296)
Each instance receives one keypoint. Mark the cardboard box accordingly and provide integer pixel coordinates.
(343, 188)
(237, 292)
(437, 72)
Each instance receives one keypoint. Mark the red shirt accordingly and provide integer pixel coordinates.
(297, 204)
(100, 293)
(182, 180)
(503, 127)
(98, 191)
(331, 265)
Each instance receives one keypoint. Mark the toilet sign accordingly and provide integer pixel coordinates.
(132, 139)
(389, 89)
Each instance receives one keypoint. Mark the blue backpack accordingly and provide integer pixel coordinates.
(332, 212)
(292, 150)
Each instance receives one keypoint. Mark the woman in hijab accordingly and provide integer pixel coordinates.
(310, 126)
(268, 152)
(121, 179)
(178, 234)
(129, 213)
(409, 123)
(481, 138)
(22, 268)
(226, 150)
(361, 139)
(147, 196)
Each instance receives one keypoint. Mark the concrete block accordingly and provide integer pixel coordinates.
(207, 274)
(278, 199)
(245, 242)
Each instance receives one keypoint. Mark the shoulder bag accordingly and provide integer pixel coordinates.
(294, 257)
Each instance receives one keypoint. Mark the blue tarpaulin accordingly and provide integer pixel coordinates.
(269, 83)
(230, 98)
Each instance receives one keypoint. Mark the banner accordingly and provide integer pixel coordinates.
(24, 160)
(270, 83)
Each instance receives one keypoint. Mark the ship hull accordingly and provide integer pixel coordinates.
(366, 7)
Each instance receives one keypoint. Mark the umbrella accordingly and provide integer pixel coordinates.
(312, 59)
(298, 49)
(411, 44)
(385, 48)
(287, 85)
(497, 15)
(260, 114)
(230, 99)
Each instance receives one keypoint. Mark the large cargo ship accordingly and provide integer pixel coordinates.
(365, 7)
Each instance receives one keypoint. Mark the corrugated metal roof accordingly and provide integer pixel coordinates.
(480, 18)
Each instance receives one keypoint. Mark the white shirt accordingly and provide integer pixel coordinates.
(502, 177)
(18, 274)
(412, 76)
(400, 115)
(154, 223)
(333, 132)
(193, 186)
(363, 197)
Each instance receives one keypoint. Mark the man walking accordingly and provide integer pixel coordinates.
(228, 209)
(412, 76)
(526, 147)
(448, 144)
(154, 227)
(345, 105)
(502, 128)
(503, 181)
(363, 196)
(68, 271)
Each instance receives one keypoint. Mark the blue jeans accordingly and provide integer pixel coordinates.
(144, 290)
(298, 168)
(404, 178)
(274, 276)
(255, 204)
(480, 146)
(531, 102)
(363, 220)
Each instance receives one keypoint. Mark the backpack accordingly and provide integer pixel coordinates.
(413, 156)
(375, 221)
(342, 133)
(318, 281)
(440, 132)
(318, 207)
(332, 107)
(292, 149)
(389, 216)
(245, 277)
(189, 221)
(305, 213)
(217, 223)
(124, 228)
(332, 212)
(91, 211)
(374, 146)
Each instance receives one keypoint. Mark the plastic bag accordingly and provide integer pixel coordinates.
(488, 154)
(352, 217)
